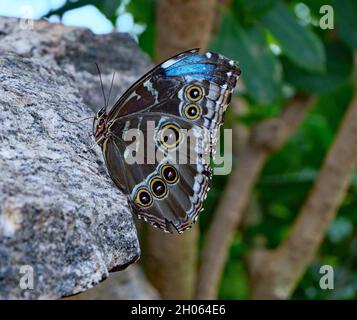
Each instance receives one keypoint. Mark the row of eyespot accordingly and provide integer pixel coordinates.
(192, 111)
(157, 185)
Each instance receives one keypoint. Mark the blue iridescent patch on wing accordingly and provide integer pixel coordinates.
(192, 66)
(192, 59)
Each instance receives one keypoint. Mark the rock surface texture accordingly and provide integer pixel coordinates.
(130, 284)
(63, 224)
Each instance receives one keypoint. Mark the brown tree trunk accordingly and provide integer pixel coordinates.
(265, 138)
(275, 274)
(183, 25)
(171, 260)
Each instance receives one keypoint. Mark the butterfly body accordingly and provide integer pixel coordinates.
(174, 112)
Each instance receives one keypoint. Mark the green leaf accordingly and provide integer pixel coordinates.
(299, 44)
(260, 68)
(339, 69)
(257, 113)
(108, 7)
(334, 104)
(144, 12)
(147, 40)
(253, 8)
(234, 283)
(258, 6)
(346, 21)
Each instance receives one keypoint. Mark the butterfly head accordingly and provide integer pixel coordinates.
(99, 126)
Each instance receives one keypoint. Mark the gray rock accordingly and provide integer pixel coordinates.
(60, 214)
(131, 284)
(75, 50)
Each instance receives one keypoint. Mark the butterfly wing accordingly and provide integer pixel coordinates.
(148, 90)
(162, 100)
(183, 196)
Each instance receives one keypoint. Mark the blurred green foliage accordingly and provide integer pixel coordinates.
(282, 50)
(308, 60)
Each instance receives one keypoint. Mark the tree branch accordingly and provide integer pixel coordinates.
(69, 5)
(183, 25)
(284, 266)
(264, 139)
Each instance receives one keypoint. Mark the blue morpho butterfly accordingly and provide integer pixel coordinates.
(189, 91)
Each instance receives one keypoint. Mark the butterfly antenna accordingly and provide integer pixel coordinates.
(111, 87)
(77, 121)
(101, 84)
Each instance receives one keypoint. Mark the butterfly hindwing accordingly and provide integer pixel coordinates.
(183, 199)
